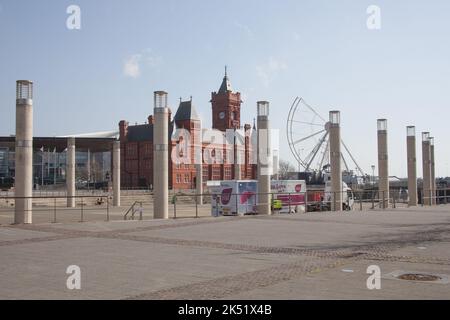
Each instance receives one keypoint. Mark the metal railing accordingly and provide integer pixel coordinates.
(133, 210)
(309, 201)
(188, 205)
(54, 208)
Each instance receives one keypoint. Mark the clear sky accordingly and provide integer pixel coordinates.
(87, 80)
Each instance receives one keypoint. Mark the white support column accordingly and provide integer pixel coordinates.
(426, 169)
(161, 156)
(335, 160)
(116, 174)
(264, 159)
(24, 152)
(383, 169)
(70, 172)
(432, 172)
(412, 165)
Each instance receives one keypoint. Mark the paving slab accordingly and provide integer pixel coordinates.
(301, 256)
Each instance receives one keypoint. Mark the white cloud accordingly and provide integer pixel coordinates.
(131, 68)
(268, 70)
(134, 63)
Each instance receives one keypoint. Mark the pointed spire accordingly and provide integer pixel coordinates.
(226, 85)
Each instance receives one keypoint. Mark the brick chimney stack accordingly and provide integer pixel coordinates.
(123, 130)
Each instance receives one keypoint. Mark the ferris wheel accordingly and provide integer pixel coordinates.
(309, 139)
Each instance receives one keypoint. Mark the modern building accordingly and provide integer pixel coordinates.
(137, 144)
(93, 159)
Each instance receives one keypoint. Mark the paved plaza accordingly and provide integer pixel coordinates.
(299, 256)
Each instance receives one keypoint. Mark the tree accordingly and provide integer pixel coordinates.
(284, 169)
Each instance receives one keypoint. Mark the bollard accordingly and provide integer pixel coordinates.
(289, 195)
(82, 213)
(306, 201)
(140, 211)
(196, 206)
(107, 208)
(174, 206)
(373, 201)
(360, 201)
(54, 210)
(334, 199)
(393, 201)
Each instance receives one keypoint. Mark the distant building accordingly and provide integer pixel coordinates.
(137, 144)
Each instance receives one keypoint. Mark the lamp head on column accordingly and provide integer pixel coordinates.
(411, 131)
(382, 124)
(263, 108)
(160, 99)
(335, 118)
(24, 89)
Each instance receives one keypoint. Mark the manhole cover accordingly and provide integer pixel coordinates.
(419, 277)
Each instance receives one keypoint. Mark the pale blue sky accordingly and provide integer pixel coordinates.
(275, 50)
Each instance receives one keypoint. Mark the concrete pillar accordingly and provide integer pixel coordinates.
(433, 172)
(264, 159)
(161, 156)
(383, 169)
(116, 174)
(412, 165)
(70, 172)
(426, 169)
(335, 160)
(24, 152)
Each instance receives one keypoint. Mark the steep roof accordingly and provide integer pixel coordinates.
(144, 132)
(226, 85)
(186, 111)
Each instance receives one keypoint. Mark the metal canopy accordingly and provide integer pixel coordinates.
(60, 143)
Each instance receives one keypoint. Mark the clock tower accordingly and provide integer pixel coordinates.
(226, 106)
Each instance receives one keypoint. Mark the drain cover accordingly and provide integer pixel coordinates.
(414, 276)
(419, 277)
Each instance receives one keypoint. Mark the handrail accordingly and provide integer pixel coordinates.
(133, 211)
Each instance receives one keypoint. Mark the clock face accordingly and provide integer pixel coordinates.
(222, 115)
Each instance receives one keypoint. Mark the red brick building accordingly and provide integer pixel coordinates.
(137, 144)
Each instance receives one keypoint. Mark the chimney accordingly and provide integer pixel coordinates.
(123, 130)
